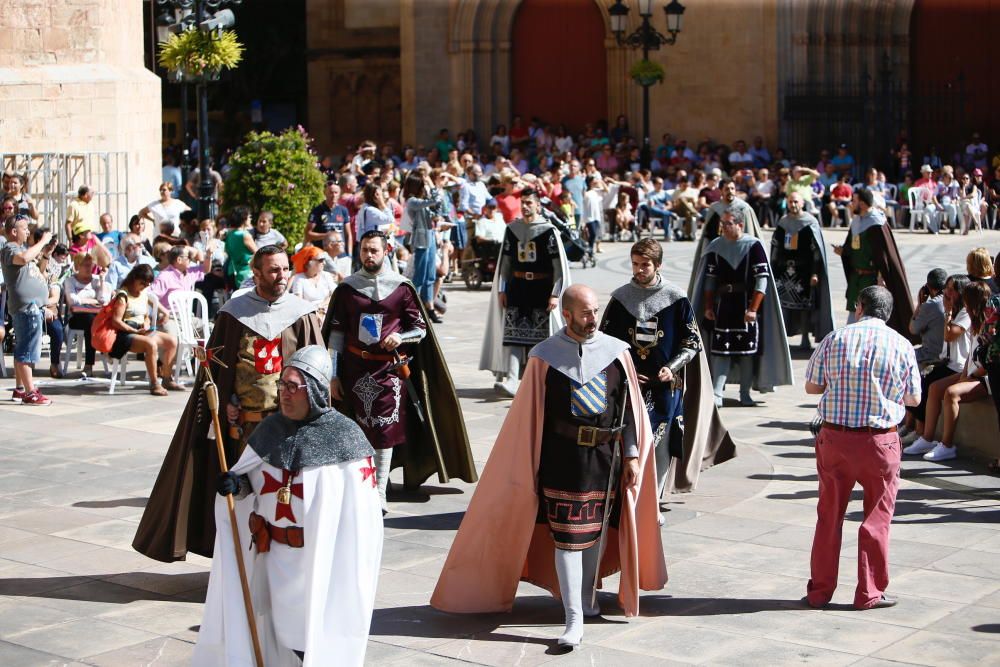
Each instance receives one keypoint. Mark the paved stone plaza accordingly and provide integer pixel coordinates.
(74, 478)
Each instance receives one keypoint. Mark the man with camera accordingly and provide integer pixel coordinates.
(27, 292)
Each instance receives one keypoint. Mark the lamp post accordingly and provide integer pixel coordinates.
(209, 17)
(647, 38)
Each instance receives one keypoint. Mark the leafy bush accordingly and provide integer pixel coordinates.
(276, 173)
(197, 54)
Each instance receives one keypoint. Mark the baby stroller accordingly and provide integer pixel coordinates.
(576, 248)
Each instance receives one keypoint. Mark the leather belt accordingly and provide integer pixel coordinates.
(246, 417)
(865, 272)
(588, 436)
(858, 429)
(732, 288)
(358, 352)
(530, 275)
(262, 533)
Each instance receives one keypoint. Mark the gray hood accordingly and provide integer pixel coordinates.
(793, 224)
(644, 302)
(267, 318)
(525, 231)
(376, 286)
(579, 362)
(732, 251)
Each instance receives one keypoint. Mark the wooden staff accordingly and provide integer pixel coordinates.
(212, 396)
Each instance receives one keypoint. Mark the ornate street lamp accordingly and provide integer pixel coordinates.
(647, 38)
(208, 18)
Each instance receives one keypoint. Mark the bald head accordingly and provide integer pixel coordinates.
(574, 294)
(579, 308)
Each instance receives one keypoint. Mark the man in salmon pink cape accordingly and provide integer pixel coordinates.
(538, 512)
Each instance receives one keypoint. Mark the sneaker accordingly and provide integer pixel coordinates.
(920, 446)
(36, 398)
(17, 396)
(909, 438)
(939, 453)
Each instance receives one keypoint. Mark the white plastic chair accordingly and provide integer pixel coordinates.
(183, 307)
(75, 339)
(891, 204)
(918, 209)
(119, 370)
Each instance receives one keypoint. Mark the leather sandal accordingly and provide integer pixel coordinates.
(172, 385)
(157, 390)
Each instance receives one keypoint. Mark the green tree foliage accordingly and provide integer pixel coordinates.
(276, 173)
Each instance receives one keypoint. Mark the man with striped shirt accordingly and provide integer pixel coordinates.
(866, 373)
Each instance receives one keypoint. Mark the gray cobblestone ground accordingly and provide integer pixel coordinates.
(74, 478)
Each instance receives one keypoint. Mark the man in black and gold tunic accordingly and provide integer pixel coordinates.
(531, 274)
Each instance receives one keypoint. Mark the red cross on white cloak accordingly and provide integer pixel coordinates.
(271, 485)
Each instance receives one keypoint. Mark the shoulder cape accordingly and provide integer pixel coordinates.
(179, 515)
(492, 357)
(442, 444)
(774, 366)
(822, 316)
(499, 544)
(706, 439)
(751, 228)
(892, 274)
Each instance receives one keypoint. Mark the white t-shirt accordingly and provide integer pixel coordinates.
(313, 292)
(169, 212)
(958, 349)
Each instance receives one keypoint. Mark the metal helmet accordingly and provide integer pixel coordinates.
(314, 361)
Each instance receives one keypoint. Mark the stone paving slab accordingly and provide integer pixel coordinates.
(74, 479)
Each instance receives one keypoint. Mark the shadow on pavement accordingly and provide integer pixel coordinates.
(986, 627)
(425, 621)
(115, 502)
(96, 588)
(446, 521)
(481, 394)
(666, 605)
(786, 426)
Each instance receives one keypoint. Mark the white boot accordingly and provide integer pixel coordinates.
(569, 568)
(590, 563)
(509, 386)
(383, 462)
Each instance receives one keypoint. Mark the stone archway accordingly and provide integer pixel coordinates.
(480, 49)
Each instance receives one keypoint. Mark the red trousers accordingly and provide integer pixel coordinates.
(843, 459)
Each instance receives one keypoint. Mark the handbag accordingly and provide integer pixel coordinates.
(102, 335)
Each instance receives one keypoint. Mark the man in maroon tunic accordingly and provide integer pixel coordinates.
(374, 325)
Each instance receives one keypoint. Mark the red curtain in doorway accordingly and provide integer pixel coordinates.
(559, 65)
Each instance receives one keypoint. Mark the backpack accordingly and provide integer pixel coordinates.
(102, 335)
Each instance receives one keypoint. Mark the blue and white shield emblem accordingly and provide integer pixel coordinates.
(370, 328)
(591, 398)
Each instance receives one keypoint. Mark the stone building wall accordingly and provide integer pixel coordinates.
(71, 82)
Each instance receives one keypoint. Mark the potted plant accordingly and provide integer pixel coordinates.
(196, 55)
(646, 72)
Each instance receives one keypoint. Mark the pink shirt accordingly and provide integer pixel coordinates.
(172, 280)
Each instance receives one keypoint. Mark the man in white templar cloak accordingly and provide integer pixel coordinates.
(306, 498)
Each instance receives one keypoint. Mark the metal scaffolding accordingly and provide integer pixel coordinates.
(52, 180)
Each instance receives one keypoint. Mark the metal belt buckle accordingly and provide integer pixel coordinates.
(529, 275)
(728, 289)
(586, 436)
(364, 355)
